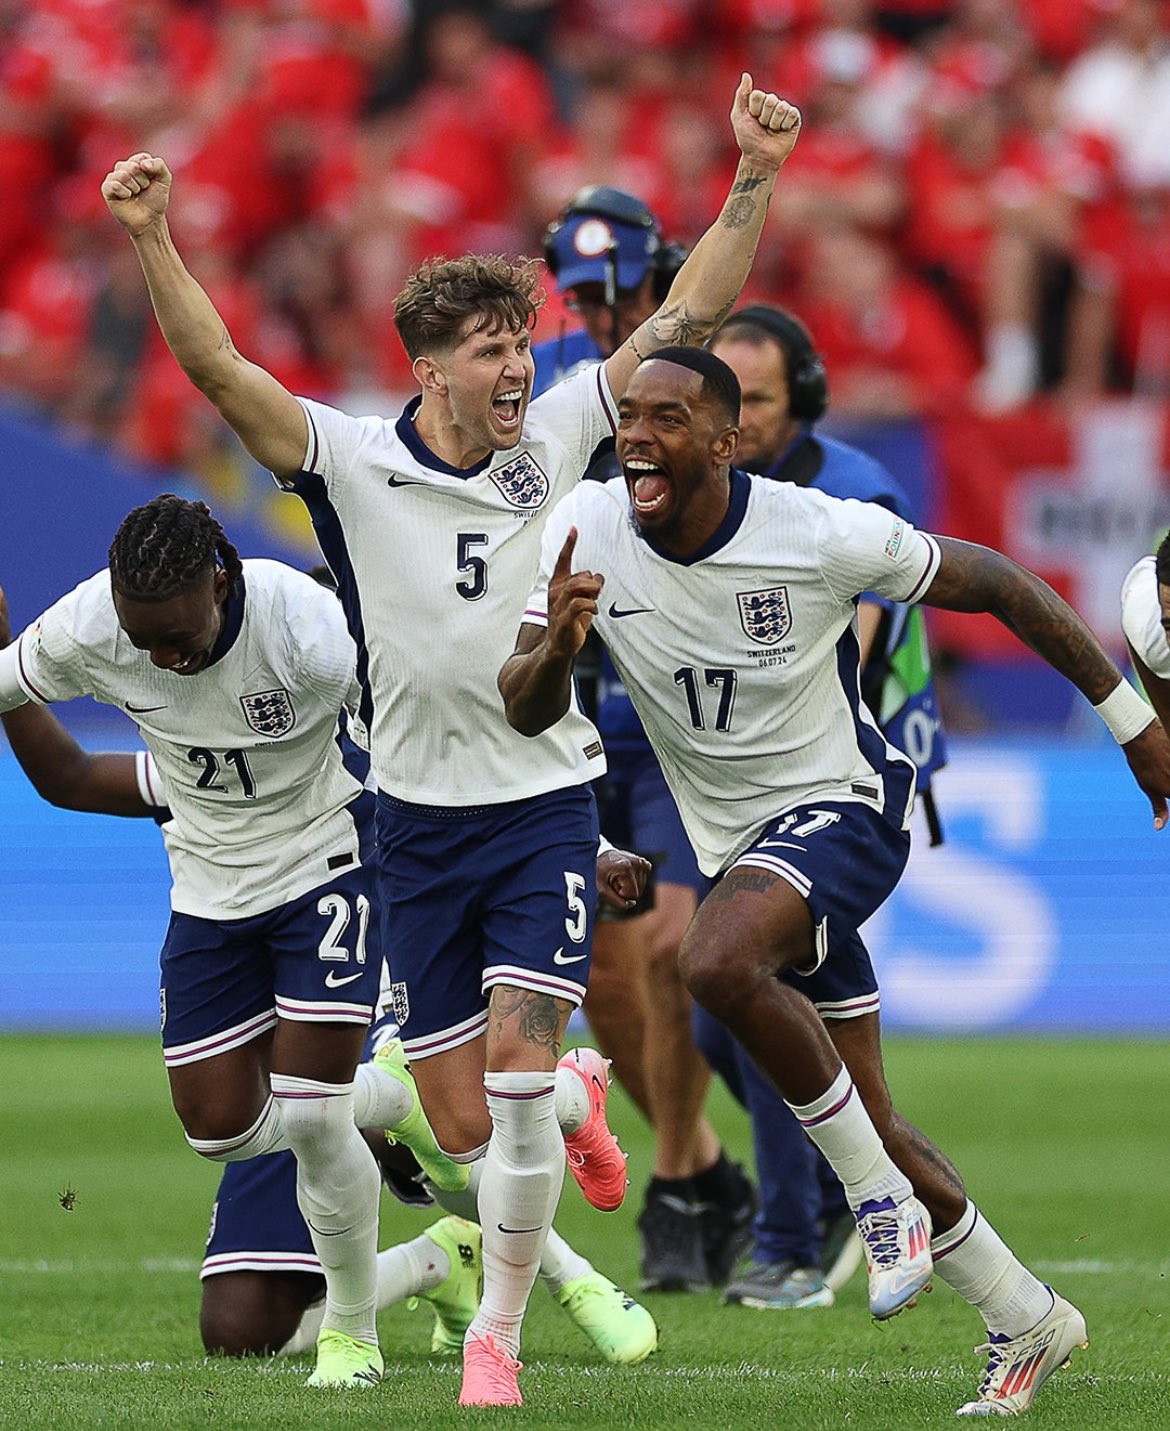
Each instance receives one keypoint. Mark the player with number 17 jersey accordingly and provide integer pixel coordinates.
(760, 638)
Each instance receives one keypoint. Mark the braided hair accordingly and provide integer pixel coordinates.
(162, 548)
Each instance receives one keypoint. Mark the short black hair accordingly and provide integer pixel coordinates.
(719, 382)
(163, 548)
(1162, 561)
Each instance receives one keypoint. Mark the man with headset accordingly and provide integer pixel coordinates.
(804, 1245)
(608, 257)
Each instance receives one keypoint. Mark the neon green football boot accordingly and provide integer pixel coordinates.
(622, 1330)
(456, 1298)
(343, 1361)
(413, 1131)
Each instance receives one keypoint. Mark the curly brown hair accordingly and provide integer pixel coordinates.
(441, 294)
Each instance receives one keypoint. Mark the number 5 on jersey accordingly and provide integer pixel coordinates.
(475, 583)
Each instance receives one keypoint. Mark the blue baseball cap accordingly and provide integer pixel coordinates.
(582, 247)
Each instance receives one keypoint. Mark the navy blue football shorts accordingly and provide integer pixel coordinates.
(471, 898)
(844, 860)
(225, 982)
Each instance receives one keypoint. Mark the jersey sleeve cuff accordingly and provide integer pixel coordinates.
(922, 585)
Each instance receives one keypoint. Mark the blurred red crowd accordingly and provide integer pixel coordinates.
(977, 209)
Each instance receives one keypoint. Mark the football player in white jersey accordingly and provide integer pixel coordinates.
(262, 1288)
(1145, 619)
(728, 604)
(486, 842)
(235, 673)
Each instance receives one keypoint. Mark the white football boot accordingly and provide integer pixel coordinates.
(896, 1239)
(1017, 1367)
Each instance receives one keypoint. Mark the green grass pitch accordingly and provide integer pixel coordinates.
(1064, 1144)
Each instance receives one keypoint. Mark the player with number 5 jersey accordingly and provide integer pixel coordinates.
(486, 843)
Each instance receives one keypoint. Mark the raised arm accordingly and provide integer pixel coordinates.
(974, 578)
(59, 770)
(536, 680)
(266, 417)
(708, 284)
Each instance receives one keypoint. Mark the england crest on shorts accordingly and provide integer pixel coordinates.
(269, 712)
(399, 1002)
(765, 615)
(522, 482)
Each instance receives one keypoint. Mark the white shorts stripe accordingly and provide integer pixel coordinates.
(259, 1262)
(800, 882)
(222, 1042)
(307, 1011)
(427, 1045)
(849, 1008)
(535, 980)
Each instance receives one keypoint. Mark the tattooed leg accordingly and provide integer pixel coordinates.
(525, 1029)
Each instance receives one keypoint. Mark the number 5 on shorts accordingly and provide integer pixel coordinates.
(577, 923)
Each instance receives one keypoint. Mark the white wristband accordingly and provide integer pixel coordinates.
(603, 845)
(1125, 713)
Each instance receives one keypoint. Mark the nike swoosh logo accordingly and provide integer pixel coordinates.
(398, 482)
(617, 613)
(502, 1228)
(559, 957)
(143, 710)
(333, 982)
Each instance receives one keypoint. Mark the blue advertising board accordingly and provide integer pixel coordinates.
(1045, 910)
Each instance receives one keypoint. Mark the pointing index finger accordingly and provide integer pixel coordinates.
(564, 564)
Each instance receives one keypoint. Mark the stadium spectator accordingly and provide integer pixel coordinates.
(1120, 88)
(394, 131)
(893, 348)
(1120, 318)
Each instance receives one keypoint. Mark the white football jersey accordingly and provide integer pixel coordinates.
(1141, 617)
(742, 661)
(433, 564)
(246, 747)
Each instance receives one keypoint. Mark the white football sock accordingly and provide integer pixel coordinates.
(518, 1193)
(337, 1191)
(972, 1258)
(379, 1100)
(559, 1263)
(841, 1128)
(572, 1100)
(266, 1135)
(408, 1270)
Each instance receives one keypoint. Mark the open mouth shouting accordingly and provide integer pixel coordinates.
(507, 407)
(649, 486)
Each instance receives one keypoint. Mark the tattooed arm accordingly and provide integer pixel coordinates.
(974, 578)
(708, 284)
